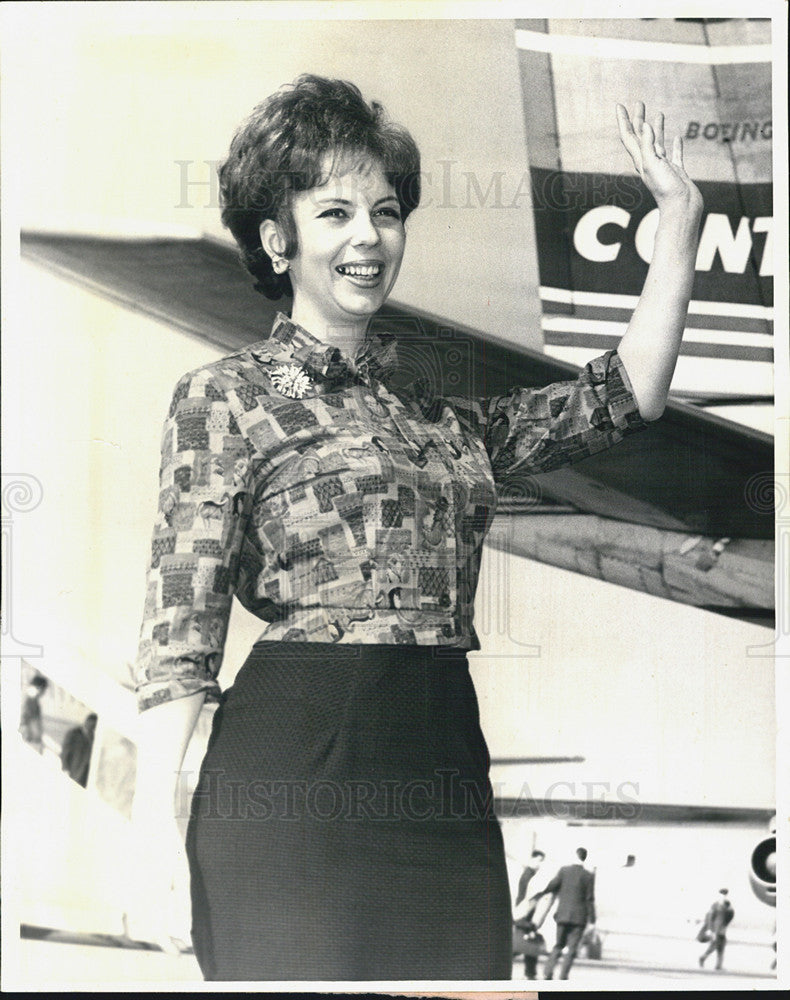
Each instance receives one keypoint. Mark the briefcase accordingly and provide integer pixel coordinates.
(528, 942)
(592, 944)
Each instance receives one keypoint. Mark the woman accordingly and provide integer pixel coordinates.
(342, 828)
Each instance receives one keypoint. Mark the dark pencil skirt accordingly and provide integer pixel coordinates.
(343, 827)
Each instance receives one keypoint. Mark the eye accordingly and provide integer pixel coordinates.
(333, 213)
(393, 213)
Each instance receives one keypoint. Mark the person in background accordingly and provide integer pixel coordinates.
(717, 920)
(525, 921)
(31, 725)
(75, 755)
(535, 861)
(574, 887)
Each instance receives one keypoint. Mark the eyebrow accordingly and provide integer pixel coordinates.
(345, 201)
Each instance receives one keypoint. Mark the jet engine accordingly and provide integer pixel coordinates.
(762, 868)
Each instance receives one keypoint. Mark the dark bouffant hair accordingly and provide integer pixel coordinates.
(282, 148)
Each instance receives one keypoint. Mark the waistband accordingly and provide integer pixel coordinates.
(379, 653)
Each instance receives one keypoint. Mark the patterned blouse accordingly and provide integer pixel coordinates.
(337, 508)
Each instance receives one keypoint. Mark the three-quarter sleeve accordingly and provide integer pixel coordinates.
(541, 429)
(204, 502)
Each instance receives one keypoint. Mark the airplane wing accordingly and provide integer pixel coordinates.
(682, 510)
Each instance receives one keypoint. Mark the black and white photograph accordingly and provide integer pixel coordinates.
(395, 496)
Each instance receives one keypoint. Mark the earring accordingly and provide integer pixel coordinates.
(279, 265)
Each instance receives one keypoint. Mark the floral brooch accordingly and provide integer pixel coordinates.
(291, 380)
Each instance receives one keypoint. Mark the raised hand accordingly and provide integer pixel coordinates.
(650, 346)
(665, 177)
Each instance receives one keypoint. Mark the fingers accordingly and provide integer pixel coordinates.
(640, 128)
(643, 141)
(658, 128)
(647, 142)
(677, 152)
(639, 117)
(628, 137)
(624, 125)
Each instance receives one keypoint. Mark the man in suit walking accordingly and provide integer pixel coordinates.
(575, 888)
(716, 923)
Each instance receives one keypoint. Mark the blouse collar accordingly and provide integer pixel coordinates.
(290, 342)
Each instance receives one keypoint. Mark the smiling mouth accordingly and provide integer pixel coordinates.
(364, 271)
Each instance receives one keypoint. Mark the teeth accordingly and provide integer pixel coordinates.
(360, 270)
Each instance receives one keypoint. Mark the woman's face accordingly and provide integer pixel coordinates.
(350, 247)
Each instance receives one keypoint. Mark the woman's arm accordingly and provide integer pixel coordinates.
(195, 557)
(164, 733)
(192, 575)
(650, 346)
(157, 904)
(537, 430)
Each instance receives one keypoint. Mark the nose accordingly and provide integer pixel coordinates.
(365, 232)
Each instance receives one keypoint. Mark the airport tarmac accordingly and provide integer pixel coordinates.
(61, 966)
